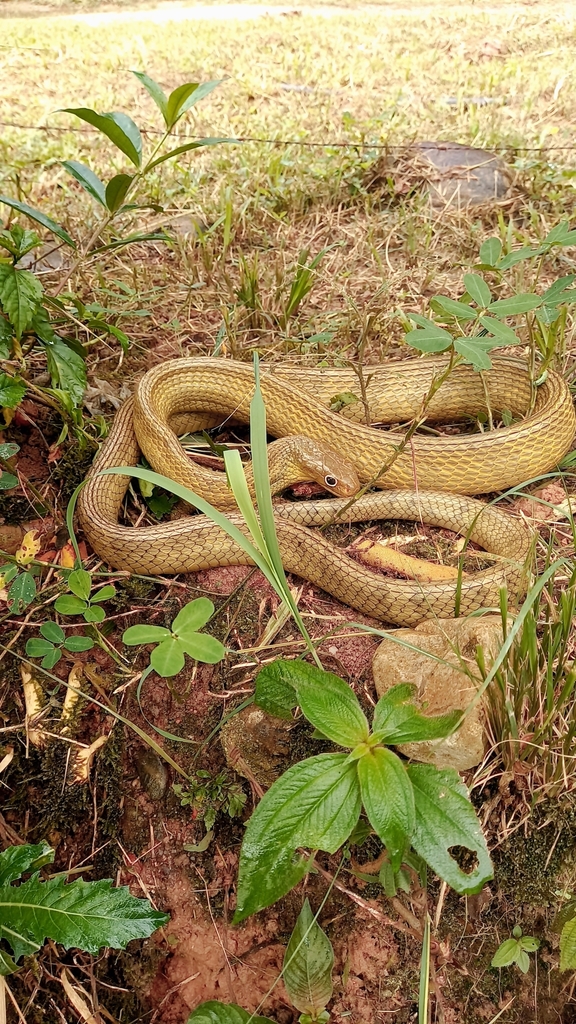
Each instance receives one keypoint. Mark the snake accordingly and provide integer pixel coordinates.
(428, 478)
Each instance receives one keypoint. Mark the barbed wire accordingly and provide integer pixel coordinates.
(390, 147)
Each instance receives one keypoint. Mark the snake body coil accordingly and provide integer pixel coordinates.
(420, 479)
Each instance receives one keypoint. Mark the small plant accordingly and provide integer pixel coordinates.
(167, 659)
(53, 640)
(515, 950)
(565, 923)
(7, 479)
(317, 803)
(81, 600)
(207, 794)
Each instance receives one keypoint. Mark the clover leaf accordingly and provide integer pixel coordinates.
(167, 659)
(49, 645)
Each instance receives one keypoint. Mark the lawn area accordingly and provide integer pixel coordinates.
(318, 110)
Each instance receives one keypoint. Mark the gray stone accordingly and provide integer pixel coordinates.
(441, 687)
(462, 176)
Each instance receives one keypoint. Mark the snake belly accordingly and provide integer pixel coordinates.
(297, 402)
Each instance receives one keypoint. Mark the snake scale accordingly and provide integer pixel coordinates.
(424, 480)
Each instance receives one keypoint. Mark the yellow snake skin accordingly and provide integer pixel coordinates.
(419, 481)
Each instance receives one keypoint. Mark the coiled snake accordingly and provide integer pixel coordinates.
(423, 480)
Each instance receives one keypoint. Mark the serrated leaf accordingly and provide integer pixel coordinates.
(501, 332)
(37, 647)
(459, 310)
(80, 583)
(315, 804)
(168, 658)
(84, 915)
(20, 295)
(521, 303)
(118, 127)
(21, 593)
(135, 635)
(40, 218)
(154, 90)
(11, 391)
(67, 604)
(397, 719)
(506, 953)
(445, 818)
(116, 190)
(89, 181)
(188, 147)
(433, 339)
(475, 351)
(193, 616)
(388, 799)
(566, 913)
(568, 946)
(78, 643)
(274, 691)
(328, 703)
(6, 337)
(490, 251)
(67, 369)
(224, 1013)
(478, 290)
(53, 632)
(308, 963)
(186, 96)
(17, 860)
(94, 613)
(203, 647)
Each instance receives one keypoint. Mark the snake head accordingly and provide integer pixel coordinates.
(322, 465)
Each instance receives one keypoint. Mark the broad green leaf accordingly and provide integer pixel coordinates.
(94, 613)
(274, 690)
(308, 963)
(186, 96)
(7, 573)
(12, 391)
(116, 190)
(459, 310)
(7, 964)
(530, 943)
(516, 304)
(6, 337)
(20, 295)
(67, 369)
(315, 804)
(330, 705)
(523, 961)
(186, 148)
(104, 594)
(397, 719)
(445, 818)
(90, 182)
(118, 127)
(80, 583)
(224, 1013)
(477, 289)
(154, 90)
(78, 643)
(40, 218)
(388, 800)
(422, 321)
(17, 860)
(475, 351)
(52, 631)
(67, 604)
(565, 914)
(21, 593)
(36, 647)
(135, 635)
(203, 647)
(8, 450)
(501, 332)
(51, 658)
(84, 915)
(433, 339)
(490, 251)
(168, 658)
(559, 286)
(193, 616)
(7, 481)
(558, 233)
(527, 252)
(568, 946)
(505, 954)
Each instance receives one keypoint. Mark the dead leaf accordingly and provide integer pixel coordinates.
(79, 1004)
(29, 547)
(7, 758)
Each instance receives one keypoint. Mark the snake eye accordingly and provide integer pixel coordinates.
(330, 481)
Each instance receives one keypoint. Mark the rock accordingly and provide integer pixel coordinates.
(255, 744)
(153, 774)
(463, 176)
(439, 687)
(11, 538)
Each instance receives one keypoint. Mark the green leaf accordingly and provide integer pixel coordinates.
(118, 127)
(186, 148)
(568, 946)
(12, 391)
(505, 954)
(90, 182)
(6, 337)
(429, 339)
(501, 332)
(274, 690)
(80, 583)
(459, 310)
(516, 304)
(523, 960)
(135, 635)
(104, 594)
(527, 252)
(94, 614)
(36, 647)
(7, 573)
(7, 964)
(69, 605)
(490, 251)
(51, 658)
(203, 648)
(8, 450)
(7, 481)
(67, 368)
(116, 190)
(53, 632)
(168, 658)
(20, 295)
(40, 218)
(475, 351)
(397, 719)
(530, 943)
(186, 96)
(445, 818)
(21, 593)
(388, 800)
(316, 804)
(329, 704)
(224, 1013)
(85, 915)
(308, 963)
(192, 617)
(478, 290)
(17, 860)
(559, 287)
(154, 90)
(78, 643)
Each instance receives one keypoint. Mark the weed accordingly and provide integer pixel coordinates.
(515, 950)
(208, 794)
